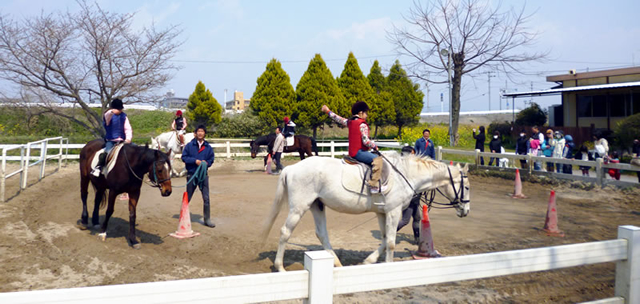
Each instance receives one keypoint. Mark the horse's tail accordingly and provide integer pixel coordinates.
(281, 197)
(314, 145)
(105, 196)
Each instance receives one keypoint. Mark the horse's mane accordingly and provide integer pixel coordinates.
(427, 161)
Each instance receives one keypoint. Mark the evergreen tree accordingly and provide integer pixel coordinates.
(382, 111)
(274, 97)
(355, 87)
(407, 97)
(202, 108)
(316, 88)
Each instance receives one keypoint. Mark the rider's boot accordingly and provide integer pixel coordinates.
(207, 216)
(376, 173)
(102, 158)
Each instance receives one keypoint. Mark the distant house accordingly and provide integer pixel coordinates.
(238, 103)
(171, 102)
(595, 100)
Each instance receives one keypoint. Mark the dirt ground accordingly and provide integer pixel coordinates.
(41, 246)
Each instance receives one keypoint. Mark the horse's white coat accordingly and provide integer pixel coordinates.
(319, 178)
(168, 141)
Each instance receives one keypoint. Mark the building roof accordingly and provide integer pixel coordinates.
(595, 74)
(574, 89)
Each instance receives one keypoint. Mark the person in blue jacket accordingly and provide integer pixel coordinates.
(196, 152)
(424, 145)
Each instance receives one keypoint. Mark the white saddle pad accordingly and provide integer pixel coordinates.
(353, 176)
(289, 141)
(111, 162)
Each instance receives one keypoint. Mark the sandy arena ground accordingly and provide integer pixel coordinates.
(42, 248)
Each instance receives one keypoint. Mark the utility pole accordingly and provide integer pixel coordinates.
(489, 78)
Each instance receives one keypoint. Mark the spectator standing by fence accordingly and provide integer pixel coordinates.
(480, 139)
(567, 153)
(522, 145)
(635, 152)
(584, 155)
(547, 148)
(424, 145)
(495, 146)
(558, 148)
(534, 149)
(614, 159)
(601, 146)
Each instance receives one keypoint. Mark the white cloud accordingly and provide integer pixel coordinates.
(148, 14)
(370, 29)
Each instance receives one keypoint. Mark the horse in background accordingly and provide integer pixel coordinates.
(132, 163)
(304, 145)
(168, 141)
(317, 182)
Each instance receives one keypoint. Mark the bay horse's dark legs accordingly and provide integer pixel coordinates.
(84, 192)
(95, 216)
(133, 202)
(112, 201)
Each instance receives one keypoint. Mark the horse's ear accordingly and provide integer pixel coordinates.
(168, 153)
(466, 168)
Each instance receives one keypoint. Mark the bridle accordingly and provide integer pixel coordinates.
(453, 203)
(155, 182)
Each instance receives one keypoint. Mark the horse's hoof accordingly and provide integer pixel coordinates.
(136, 246)
(102, 236)
(96, 226)
(81, 225)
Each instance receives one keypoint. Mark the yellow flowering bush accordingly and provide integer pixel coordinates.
(439, 135)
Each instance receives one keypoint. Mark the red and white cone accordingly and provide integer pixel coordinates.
(551, 222)
(425, 243)
(268, 166)
(517, 193)
(184, 226)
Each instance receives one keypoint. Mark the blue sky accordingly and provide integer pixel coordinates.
(228, 43)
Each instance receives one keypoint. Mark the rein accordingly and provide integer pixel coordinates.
(155, 182)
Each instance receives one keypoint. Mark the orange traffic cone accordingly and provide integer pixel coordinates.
(184, 226)
(517, 193)
(450, 163)
(268, 166)
(551, 222)
(425, 244)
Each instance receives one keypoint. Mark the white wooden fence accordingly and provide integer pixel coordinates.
(25, 159)
(320, 280)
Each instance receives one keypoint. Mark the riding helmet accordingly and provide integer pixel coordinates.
(286, 119)
(179, 113)
(117, 104)
(358, 107)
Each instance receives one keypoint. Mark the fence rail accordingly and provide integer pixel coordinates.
(320, 281)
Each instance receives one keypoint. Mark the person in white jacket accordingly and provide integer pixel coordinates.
(278, 147)
(601, 146)
(558, 147)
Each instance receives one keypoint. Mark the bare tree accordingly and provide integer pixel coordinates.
(79, 58)
(475, 34)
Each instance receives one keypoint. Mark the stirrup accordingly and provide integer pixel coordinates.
(96, 172)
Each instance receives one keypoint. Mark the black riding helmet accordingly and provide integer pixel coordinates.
(359, 106)
(117, 104)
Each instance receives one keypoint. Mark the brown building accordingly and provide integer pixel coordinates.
(238, 103)
(595, 100)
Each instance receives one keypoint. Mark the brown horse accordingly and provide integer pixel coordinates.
(132, 163)
(304, 145)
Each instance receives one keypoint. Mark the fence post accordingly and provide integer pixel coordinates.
(628, 271)
(228, 149)
(333, 149)
(60, 155)
(599, 172)
(439, 154)
(320, 267)
(4, 168)
(43, 157)
(25, 168)
(477, 157)
(529, 163)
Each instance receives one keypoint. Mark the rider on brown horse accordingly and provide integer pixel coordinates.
(118, 129)
(179, 125)
(289, 129)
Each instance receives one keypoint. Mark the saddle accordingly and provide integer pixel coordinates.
(111, 159)
(355, 175)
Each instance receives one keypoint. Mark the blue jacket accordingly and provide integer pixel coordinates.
(548, 152)
(422, 150)
(190, 154)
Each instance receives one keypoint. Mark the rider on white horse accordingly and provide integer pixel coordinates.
(359, 141)
(179, 125)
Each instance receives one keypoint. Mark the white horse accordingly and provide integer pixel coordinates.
(168, 141)
(316, 182)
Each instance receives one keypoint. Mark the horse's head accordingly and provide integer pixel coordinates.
(254, 148)
(154, 144)
(457, 189)
(160, 172)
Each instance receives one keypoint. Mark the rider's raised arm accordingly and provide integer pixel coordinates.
(128, 131)
(335, 117)
(364, 130)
